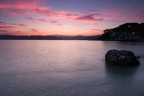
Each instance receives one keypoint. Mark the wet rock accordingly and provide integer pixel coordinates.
(122, 58)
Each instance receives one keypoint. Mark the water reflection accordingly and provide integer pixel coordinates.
(118, 71)
(122, 80)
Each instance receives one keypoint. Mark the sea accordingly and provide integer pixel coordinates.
(67, 68)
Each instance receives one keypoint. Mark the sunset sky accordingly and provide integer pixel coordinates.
(66, 17)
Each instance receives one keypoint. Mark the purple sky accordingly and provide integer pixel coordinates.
(66, 17)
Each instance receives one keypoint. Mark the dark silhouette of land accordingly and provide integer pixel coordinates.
(50, 37)
(125, 32)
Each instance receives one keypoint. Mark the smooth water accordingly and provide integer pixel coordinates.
(67, 68)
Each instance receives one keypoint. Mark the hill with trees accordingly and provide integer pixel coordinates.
(125, 32)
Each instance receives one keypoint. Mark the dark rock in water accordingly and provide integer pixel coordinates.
(121, 58)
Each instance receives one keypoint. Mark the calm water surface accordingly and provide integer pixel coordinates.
(67, 68)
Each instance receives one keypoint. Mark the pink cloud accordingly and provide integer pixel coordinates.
(22, 24)
(17, 11)
(55, 13)
(34, 7)
(30, 18)
(4, 23)
(9, 25)
(45, 11)
(4, 32)
(54, 22)
(50, 21)
(40, 20)
(5, 27)
(61, 14)
(89, 18)
(67, 14)
(35, 30)
(43, 20)
(20, 4)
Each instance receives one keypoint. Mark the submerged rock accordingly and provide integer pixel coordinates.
(122, 58)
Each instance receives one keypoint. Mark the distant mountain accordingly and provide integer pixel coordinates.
(125, 32)
(50, 37)
(79, 37)
(12, 37)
